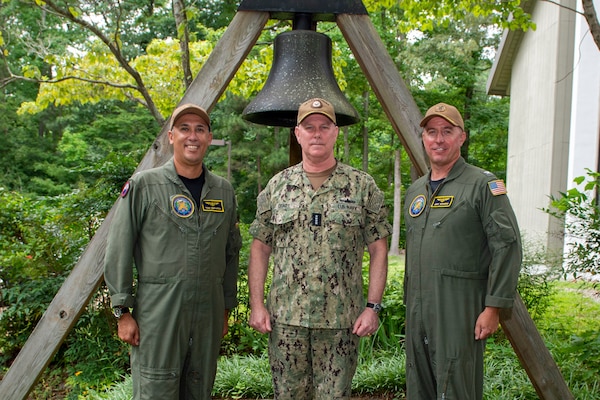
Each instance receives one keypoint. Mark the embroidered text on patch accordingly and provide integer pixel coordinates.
(497, 187)
(213, 206)
(442, 201)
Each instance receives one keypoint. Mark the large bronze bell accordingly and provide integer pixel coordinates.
(301, 70)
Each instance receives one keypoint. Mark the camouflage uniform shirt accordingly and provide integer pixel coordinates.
(318, 240)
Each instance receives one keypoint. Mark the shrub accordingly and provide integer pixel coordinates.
(579, 210)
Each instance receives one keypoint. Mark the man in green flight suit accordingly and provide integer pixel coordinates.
(178, 222)
(463, 256)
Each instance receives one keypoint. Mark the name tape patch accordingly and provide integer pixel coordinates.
(442, 201)
(213, 206)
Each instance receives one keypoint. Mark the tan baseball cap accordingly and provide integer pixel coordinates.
(446, 111)
(190, 109)
(316, 106)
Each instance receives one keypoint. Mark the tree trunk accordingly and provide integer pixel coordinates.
(395, 241)
(346, 146)
(183, 34)
(592, 19)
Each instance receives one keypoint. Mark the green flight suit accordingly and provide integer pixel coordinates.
(463, 253)
(186, 257)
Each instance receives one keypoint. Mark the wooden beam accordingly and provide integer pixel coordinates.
(386, 82)
(79, 287)
(398, 103)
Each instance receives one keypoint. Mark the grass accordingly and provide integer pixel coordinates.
(569, 327)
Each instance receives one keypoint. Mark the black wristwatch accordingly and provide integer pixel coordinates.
(375, 306)
(118, 311)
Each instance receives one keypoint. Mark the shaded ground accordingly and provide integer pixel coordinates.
(369, 397)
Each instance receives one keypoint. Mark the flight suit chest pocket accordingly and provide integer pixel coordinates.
(211, 220)
(284, 221)
(457, 215)
(343, 228)
(162, 218)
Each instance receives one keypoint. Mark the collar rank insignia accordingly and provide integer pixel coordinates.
(182, 206)
(213, 206)
(417, 206)
(442, 201)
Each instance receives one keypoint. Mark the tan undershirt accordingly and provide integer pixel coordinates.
(317, 178)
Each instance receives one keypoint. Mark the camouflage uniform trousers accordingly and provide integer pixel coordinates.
(312, 364)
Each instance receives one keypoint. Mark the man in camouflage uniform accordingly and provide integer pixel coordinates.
(316, 218)
(463, 255)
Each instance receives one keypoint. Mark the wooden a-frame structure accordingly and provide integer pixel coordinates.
(212, 80)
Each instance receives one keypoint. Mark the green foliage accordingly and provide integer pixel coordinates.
(504, 376)
(585, 347)
(95, 356)
(427, 14)
(241, 338)
(384, 373)
(25, 304)
(488, 135)
(579, 209)
(243, 377)
(41, 240)
(121, 391)
(570, 327)
(392, 317)
(538, 272)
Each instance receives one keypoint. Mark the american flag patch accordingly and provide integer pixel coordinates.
(497, 187)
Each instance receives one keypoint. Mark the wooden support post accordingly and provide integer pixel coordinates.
(402, 111)
(84, 280)
(386, 82)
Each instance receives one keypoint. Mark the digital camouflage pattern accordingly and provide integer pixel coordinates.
(296, 371)
(318, 239)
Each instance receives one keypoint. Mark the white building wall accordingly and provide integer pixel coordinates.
(585, 120)
(539, 123)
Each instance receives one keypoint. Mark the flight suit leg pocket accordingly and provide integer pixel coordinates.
(159, 383)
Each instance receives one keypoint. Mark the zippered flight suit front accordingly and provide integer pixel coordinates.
(463, 254)
(186, 258)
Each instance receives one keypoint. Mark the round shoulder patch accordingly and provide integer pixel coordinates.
(182, 206)
(417, 205)
(125, 189)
